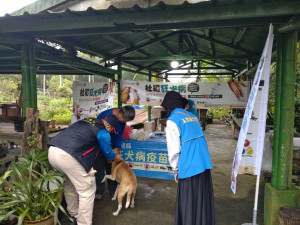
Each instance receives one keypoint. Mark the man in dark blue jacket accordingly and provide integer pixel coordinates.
(73, 152)
(124, 114)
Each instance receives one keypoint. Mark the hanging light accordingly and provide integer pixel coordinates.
(174, 64)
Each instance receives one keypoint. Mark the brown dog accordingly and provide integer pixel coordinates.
(123, 174)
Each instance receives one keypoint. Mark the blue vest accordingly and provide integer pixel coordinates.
(194, 156)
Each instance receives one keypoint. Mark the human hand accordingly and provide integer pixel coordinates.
(118, 158)
(176, 177)
(117, 151)
(236, 88)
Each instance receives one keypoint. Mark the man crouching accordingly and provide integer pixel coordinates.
(73, 152)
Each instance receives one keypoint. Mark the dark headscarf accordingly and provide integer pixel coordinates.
(172, 100)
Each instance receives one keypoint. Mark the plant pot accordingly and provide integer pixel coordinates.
(49, 220)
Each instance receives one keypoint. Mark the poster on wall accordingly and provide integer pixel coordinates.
(91, 98)
(204, 94)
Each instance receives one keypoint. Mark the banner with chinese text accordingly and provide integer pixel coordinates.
(204, 94)
(253, 146)
(91, 98)
(147, 158)
(263, 68)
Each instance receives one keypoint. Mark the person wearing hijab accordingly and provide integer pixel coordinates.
(190, 159)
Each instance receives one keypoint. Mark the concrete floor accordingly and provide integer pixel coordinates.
(155, 199)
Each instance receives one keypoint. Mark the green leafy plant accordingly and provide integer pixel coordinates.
(56, 109)
(31, 189)
(32, 140)
(219, 113)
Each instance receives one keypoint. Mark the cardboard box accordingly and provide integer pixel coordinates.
(149, 126)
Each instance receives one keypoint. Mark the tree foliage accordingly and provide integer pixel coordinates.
(9, 88)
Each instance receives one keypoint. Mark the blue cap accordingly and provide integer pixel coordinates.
(111, 119)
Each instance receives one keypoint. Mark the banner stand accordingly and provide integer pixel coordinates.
(255, 202)
(263, 69)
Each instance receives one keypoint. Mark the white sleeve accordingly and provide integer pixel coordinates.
(173, 143)
(73, 119)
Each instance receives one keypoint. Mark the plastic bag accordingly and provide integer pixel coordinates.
(267, 155)
(140, 135)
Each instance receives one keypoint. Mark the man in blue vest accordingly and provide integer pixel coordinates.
(73, 152)
(124, 114)
(190, 159)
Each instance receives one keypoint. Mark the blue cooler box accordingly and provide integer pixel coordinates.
(148, 158)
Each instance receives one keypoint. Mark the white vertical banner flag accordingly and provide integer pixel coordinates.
(254, 143)
(263, 67)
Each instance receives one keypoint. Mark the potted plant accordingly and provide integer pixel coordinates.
(31, 190)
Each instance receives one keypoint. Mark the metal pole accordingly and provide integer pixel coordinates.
(287, 110)
(277, 111)
(119, 83)
(149, 107)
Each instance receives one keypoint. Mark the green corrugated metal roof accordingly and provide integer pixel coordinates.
(227, 33)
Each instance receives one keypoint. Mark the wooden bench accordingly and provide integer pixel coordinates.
(235, 125)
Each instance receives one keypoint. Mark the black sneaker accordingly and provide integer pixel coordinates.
(74, 221)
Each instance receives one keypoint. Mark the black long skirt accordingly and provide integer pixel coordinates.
(195, 200)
